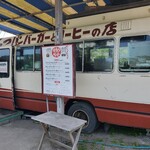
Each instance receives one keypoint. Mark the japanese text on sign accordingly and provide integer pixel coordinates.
(58, 70)
(74, 34)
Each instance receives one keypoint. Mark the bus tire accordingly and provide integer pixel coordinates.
(86, 112)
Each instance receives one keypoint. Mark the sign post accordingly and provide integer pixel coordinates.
(59, 73)
(58, 65)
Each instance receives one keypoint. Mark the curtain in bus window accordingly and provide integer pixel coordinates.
(134, 54)
(4, 62)
(98, 55)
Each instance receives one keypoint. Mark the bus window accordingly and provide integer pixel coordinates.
(98, 55)
(24, 59)
(4, 63)
(134, 54)
(79, 50)
(37, 59)
(28, 59)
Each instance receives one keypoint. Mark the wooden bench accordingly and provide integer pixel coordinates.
(65, 123)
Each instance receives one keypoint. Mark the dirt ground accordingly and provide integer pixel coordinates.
(25, 134)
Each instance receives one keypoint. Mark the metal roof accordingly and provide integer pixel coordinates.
(31, 16)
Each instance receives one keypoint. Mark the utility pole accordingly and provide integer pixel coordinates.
(59, 41)
(58, 23)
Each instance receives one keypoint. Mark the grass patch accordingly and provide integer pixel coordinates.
(130, 131)
(82, 146)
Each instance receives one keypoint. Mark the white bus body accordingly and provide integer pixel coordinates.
(112, 78)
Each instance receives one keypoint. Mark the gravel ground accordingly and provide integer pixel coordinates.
(24, 134)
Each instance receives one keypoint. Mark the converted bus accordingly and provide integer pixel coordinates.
(112, 69)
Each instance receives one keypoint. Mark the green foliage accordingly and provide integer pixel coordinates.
(82, 146)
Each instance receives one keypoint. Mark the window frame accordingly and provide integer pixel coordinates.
(83, 54)
(118, 51)
(33, 56)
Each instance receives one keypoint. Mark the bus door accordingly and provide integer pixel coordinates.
(6, 79)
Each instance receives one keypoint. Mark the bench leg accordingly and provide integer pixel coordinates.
(45, 132)
(41, 141)
(72, 140)
(75, 141)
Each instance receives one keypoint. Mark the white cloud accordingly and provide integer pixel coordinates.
(5, 34)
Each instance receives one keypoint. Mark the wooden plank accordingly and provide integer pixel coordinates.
(60, 121)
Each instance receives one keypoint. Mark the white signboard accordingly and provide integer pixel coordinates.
(3, 67)
(58, 70)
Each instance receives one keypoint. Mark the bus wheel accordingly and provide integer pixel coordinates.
(86, 112)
